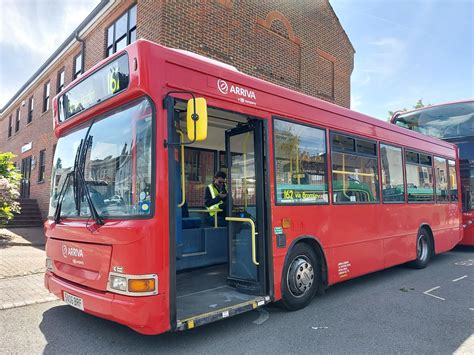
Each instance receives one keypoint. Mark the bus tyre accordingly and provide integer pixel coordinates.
(423, 250)
(300, 277)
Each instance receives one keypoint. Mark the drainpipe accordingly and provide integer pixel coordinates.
(83, 50)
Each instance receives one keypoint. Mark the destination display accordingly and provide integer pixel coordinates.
(299, 195)
(101, 85)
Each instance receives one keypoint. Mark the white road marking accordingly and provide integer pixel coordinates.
(471, 309)
(263, 316)
(469, 262)
(459, 278)
(316, 328)
(432, 289)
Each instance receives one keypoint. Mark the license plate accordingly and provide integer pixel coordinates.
(74, 301)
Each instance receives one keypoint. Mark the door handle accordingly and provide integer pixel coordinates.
(254, 233)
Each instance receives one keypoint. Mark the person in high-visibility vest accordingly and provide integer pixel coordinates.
(216, 198)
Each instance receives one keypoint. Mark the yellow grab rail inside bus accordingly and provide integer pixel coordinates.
(254, 233)
(183, 187)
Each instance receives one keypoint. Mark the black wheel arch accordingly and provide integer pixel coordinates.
(315, 244)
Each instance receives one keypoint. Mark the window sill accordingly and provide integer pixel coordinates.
(40, 182)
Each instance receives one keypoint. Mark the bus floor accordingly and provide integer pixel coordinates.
(205, 290)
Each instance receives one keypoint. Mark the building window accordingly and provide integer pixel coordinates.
(419, 172)
(17, 120)
(300, 164)
(393, 189)
(192, 165)
(78, 66)
(354, 170)
(441, 174)
(60, 85)
(30, 109)
(199, 169)
(46, 96)
(42, 165)
(453, 181)
(10, 126)
(122, 32)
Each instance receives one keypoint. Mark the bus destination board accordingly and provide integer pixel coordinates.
(99, 86)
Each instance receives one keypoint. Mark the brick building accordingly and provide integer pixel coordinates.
(297, 44)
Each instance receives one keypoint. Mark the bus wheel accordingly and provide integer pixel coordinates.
(423, 250)
(300, 277)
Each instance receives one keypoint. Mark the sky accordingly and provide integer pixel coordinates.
(30, 31)
(406, 50)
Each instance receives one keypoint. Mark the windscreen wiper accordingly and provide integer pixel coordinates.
(57, 212)
(85, 189)
(81, 186)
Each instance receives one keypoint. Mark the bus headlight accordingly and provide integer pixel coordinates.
(133, 285)
(118, 283)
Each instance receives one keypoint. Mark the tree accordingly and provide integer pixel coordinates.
(419, 104)
(9, 188)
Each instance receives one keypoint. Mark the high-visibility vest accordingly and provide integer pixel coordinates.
(214, 193)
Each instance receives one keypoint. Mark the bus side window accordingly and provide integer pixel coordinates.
(354, 169)
(393, 189)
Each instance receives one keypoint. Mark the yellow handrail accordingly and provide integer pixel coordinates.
(252, 225)
(183, 187)
(353, 173)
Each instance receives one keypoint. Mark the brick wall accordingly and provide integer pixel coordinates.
(296, 44)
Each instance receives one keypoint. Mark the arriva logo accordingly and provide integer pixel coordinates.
(222, 86)
(72, 252)
(233, 89)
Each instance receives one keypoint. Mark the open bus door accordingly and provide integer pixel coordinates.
(245, 208)
(217, 271)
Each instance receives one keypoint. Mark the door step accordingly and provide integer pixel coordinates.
(222, 313)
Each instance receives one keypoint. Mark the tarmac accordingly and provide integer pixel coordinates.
(22, 267)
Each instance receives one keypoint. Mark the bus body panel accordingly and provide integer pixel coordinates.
(146, 315)
(356, 239)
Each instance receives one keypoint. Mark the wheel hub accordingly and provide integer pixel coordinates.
(422, 248)
(300, 276)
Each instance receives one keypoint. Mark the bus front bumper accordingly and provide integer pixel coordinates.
(145, 315)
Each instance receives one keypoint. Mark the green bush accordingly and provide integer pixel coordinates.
(9, 188)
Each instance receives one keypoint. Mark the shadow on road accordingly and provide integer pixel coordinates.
(86, 333)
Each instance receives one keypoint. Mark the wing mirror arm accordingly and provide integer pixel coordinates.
(194, 117)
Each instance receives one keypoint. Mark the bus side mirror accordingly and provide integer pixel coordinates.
(196, 119)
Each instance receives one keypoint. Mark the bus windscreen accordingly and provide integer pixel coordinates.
(447, 121)
(99, 86)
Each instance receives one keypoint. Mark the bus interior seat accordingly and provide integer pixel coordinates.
(187, 221)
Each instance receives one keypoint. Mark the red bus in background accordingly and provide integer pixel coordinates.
(453, 122)
(316, 194)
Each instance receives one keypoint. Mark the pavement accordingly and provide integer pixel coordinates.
(22, 266)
